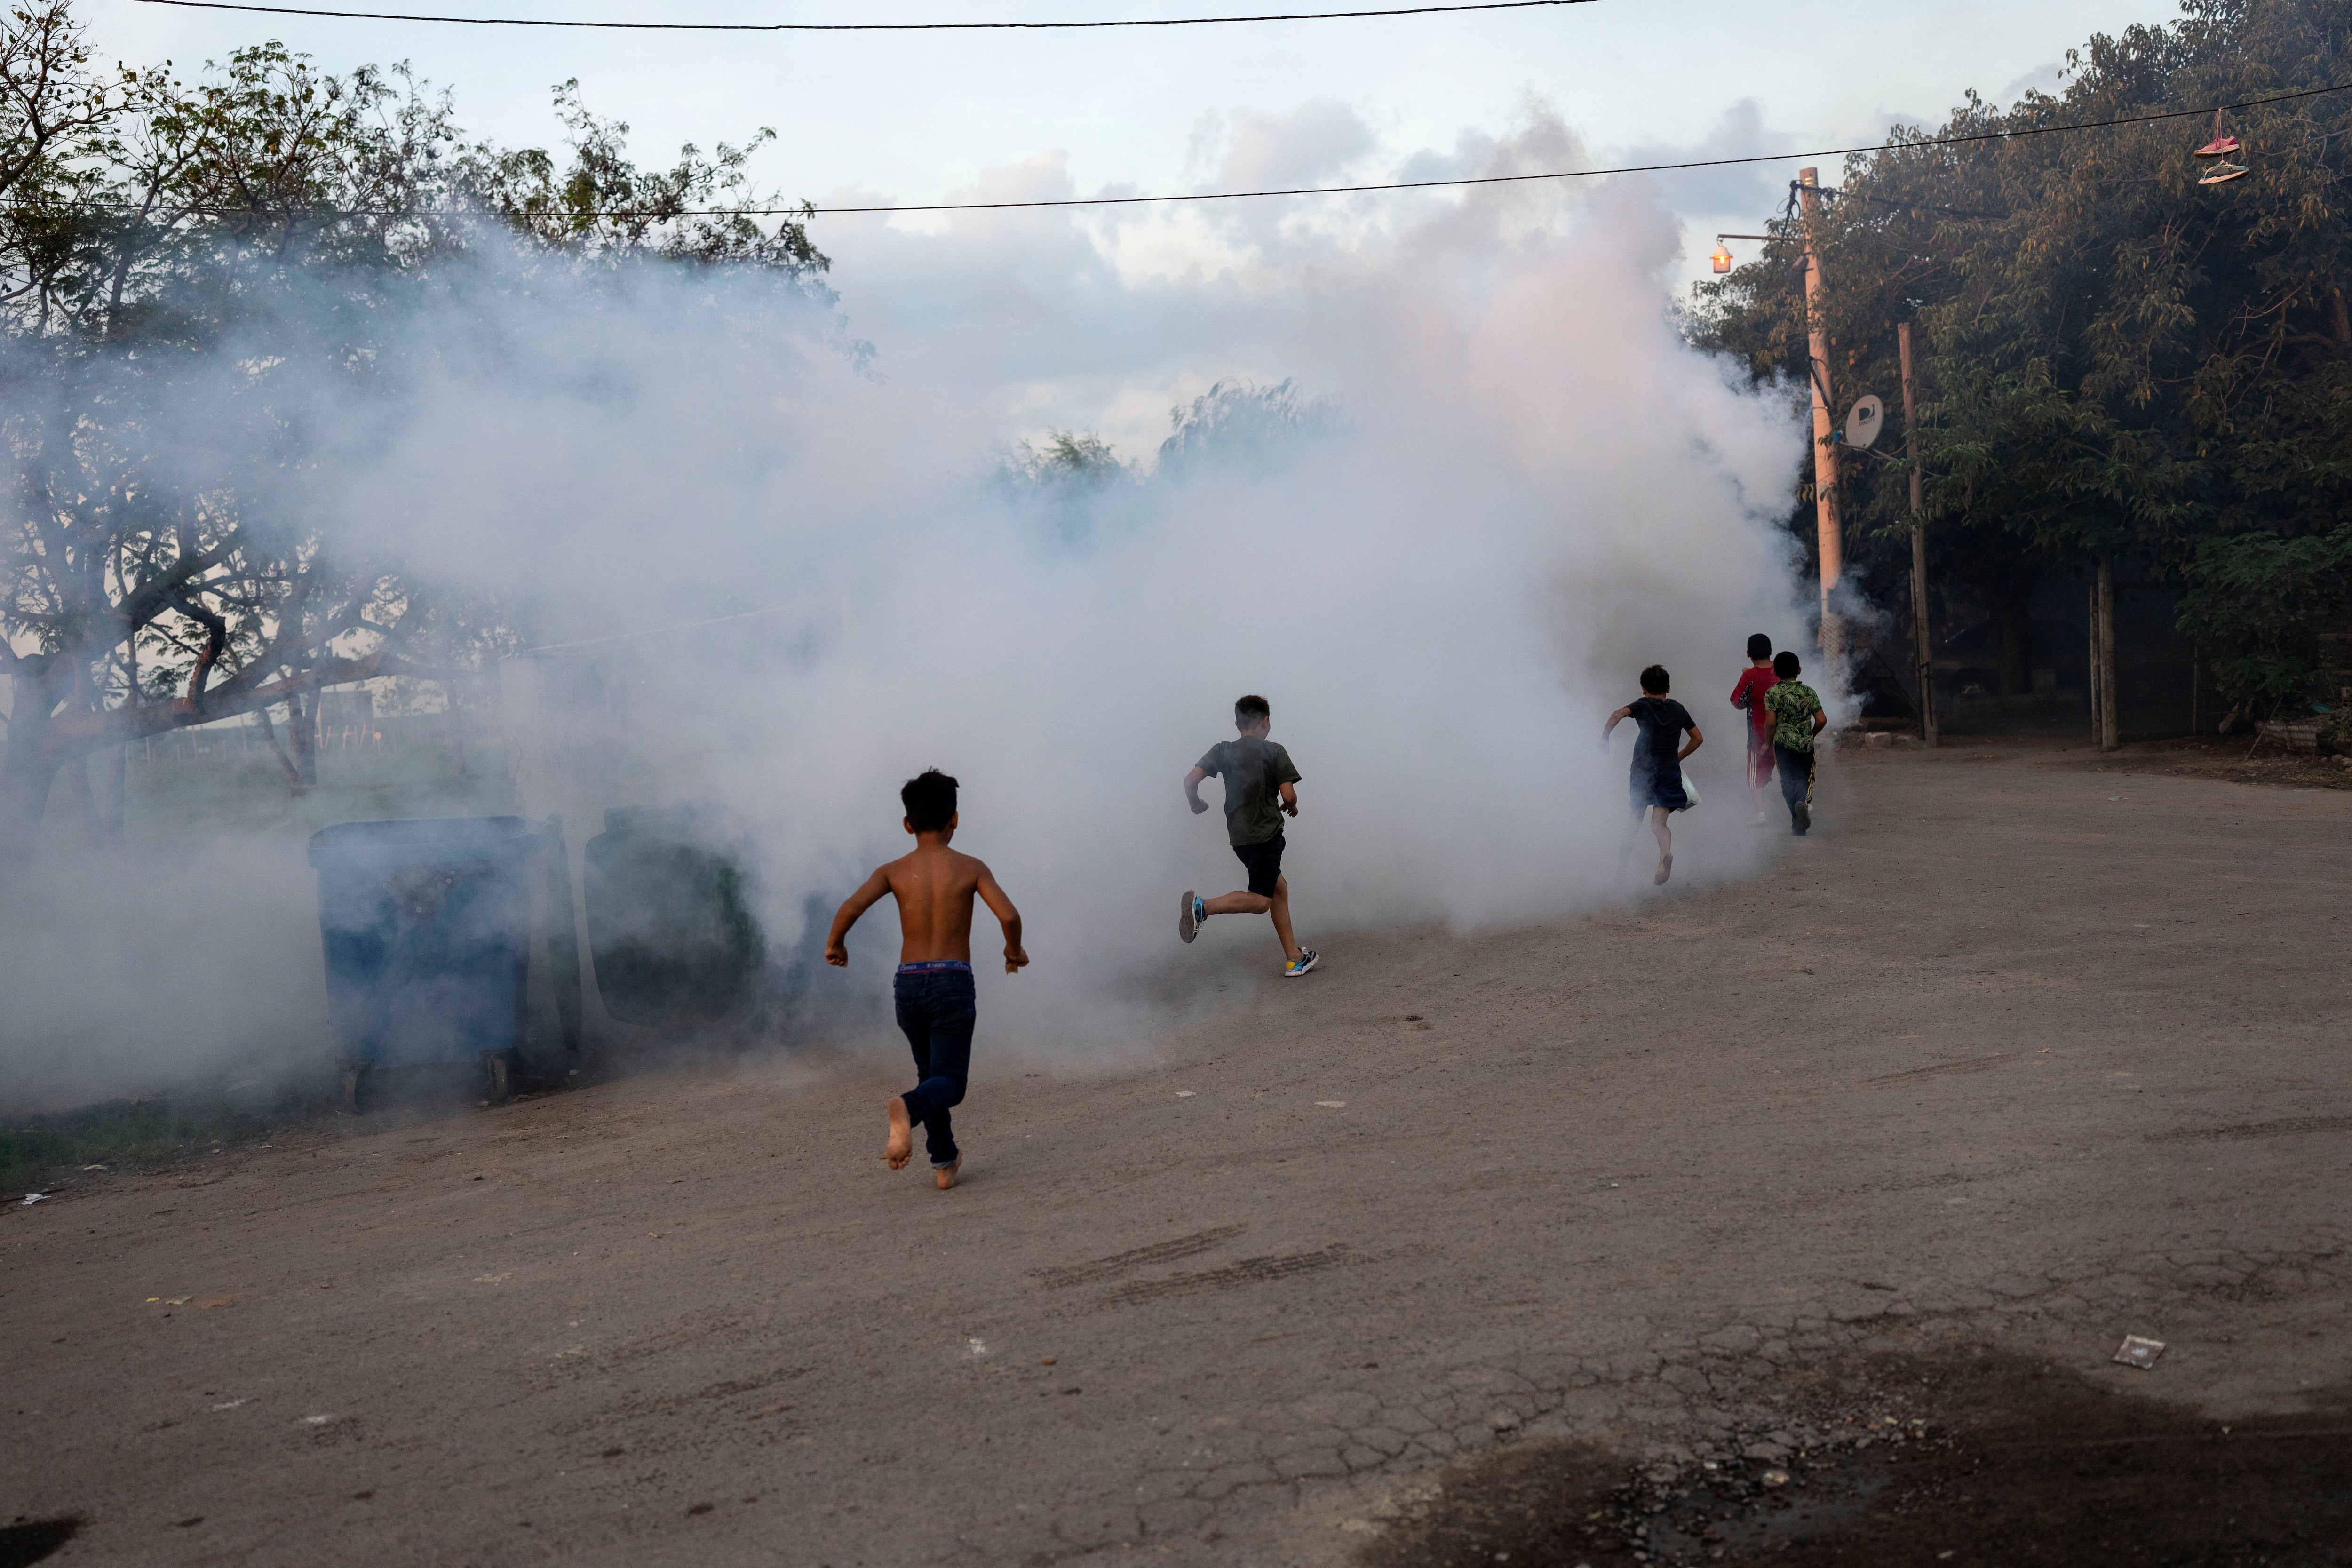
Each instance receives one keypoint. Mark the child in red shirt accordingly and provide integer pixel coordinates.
(1754, 682)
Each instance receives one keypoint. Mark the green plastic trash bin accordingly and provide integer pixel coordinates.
(426, 928)
(671, 934)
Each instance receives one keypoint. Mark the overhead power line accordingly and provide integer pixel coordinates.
(1973, 139)
(864, 27)
(808, 210)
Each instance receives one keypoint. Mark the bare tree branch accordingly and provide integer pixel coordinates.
(216, 640)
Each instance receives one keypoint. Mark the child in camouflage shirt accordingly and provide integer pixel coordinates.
(1797, 718)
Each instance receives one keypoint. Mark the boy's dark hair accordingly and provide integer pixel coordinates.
(1760, 646)
(1785, 665)
(1655, 680)
(1250, 708)
(929, 800)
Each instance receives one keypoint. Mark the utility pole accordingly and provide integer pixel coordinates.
(1920, 634)
(1825, 506)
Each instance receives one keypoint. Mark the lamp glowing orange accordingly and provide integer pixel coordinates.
(1722, 256)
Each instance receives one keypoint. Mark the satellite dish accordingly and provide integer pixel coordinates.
(1862, 424)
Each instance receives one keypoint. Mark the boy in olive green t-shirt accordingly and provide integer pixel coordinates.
(1259, 793)
(1797, 718)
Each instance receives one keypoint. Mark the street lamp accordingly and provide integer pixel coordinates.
(1722, 256)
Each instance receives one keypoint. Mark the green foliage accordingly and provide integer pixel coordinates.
(184, 267)
(136, 202)
(602, 205)
(1236, 424)
(1068, 459)
(1239, 422)
(2112, 358)
(1064, 480)
(2262, 598)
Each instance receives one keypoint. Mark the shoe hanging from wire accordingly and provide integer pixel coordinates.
(2222, 146)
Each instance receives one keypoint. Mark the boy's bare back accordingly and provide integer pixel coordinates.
(935, 886)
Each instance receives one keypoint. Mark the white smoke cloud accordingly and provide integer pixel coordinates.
(1533, 490)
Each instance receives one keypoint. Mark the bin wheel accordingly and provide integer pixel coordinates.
(356, 1089)
(498, 1078)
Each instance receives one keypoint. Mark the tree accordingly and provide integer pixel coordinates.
(1241, 421)
(603, 205)
(2116, 359)
(1068, 477)
(50, 102)
(2261, 597)
(1236, 425)
(190, 266)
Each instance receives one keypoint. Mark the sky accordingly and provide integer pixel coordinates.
(932, 117)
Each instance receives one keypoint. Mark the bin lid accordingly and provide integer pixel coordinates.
(414, 841)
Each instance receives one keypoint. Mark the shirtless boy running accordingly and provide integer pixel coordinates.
(934, 886)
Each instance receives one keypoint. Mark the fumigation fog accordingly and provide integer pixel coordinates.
(1513, 487)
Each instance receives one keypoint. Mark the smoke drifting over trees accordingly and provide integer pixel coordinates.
(186, 268)
(1439, 502)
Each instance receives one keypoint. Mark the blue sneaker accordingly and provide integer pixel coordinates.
(1299, 965)
(1188, 921)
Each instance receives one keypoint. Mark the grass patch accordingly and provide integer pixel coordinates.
(131, 1132)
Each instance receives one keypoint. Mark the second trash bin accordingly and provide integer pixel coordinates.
(671, 926)
(426, 928)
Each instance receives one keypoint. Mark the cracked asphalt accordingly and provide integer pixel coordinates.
(2018, 1050)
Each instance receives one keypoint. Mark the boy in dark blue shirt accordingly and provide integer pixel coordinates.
(1657, 775)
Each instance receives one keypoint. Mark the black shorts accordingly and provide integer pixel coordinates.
(1264, 863)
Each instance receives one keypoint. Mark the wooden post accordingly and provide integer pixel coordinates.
(2092, 619)
(2103, 643)
(1825, 505)
(1922, 635)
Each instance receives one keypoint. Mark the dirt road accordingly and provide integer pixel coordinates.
(2012, 1050)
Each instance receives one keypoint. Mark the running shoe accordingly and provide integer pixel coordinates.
(1299, 965)
(2221, 173)
(2220, 147)
(1187, 920)
(1804, 812)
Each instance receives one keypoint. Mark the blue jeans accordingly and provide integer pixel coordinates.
(936, 1009)
(1796, 778)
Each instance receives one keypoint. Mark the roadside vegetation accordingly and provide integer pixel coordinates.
(2113, 360)
(188, 264)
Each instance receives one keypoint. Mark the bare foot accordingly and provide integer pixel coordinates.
(901, 1147)
(946, 1174)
